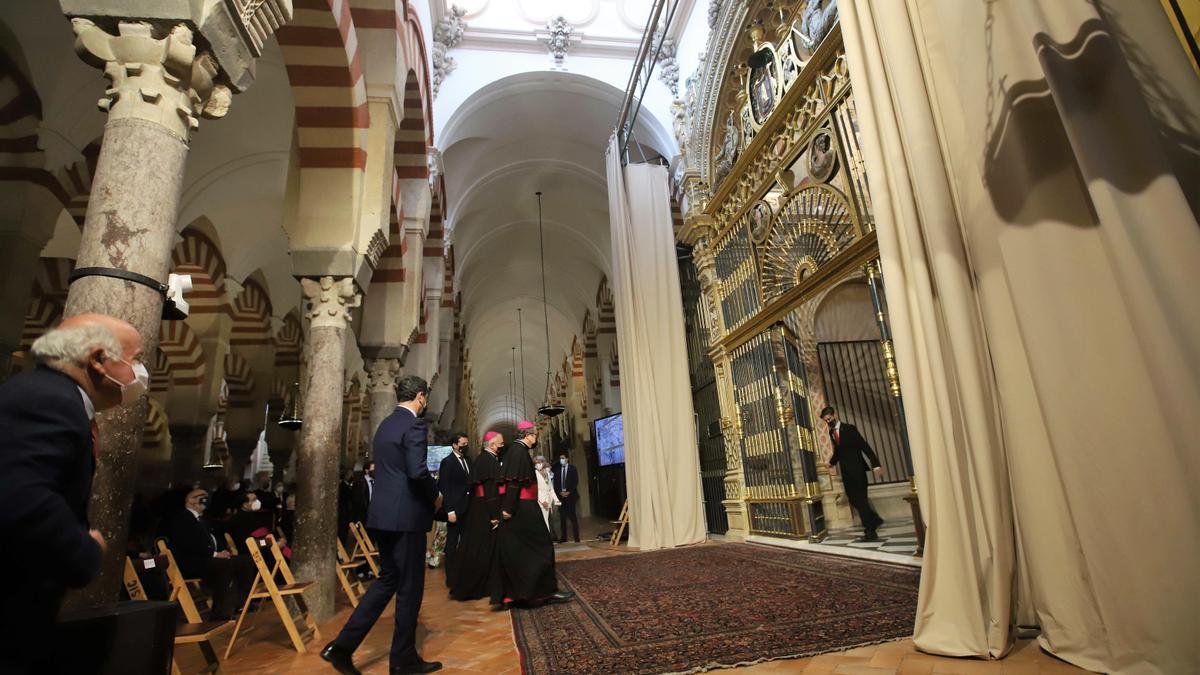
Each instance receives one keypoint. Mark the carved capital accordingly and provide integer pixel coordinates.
(382, 375)
(330, 301)
(158, 79)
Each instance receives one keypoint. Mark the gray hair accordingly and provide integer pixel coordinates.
(539, 458)
(72, 346)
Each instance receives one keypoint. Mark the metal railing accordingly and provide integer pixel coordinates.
(643, 68)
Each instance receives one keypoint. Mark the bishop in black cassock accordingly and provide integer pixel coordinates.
(526, 551)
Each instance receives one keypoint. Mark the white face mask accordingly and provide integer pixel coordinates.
(563, 461)
(255, 505)
(132, 391)
(539, 466)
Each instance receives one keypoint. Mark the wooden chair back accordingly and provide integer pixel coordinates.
(133, 585)
(180, 592)
(231, 545)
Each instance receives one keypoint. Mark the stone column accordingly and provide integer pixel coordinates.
(240, 450)
(329, 302)
(158, 85)
(382, 375)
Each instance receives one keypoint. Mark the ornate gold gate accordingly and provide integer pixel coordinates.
(787, 218)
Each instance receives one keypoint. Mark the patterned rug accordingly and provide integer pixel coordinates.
(713, 606)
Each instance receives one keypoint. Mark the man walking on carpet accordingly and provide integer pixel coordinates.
(526, 550)
(402, 507)
(849, 450)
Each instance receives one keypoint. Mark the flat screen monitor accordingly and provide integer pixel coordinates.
(610, 440)
(435, 454)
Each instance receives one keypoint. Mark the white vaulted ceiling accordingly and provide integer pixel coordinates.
(542, 131)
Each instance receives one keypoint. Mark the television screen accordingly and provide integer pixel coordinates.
(610, 440)
(435, 454)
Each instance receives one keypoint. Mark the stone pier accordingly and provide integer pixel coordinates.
(329, 301)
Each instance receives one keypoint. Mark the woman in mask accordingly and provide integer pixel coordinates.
(546, 497)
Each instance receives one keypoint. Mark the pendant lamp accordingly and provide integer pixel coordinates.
(550, 408)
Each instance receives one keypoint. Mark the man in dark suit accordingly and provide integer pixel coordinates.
(202, 555)
(362, 490)
(452, 483)
(852, 452)
(402, 509)
(49, 447)
(566, 486)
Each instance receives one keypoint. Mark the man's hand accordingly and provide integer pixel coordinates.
(832, 470)
(452, 517)
(566, 493)
(224, 555)
(99, 539)
(495, 524)
(878, 470)
(437, 503)
(505, 515)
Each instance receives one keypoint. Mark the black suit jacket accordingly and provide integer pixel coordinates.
(192, 542)
(851, 451)
(452, 483)
(405, 492)
(46, 467)
(571, 484)
(360, 499)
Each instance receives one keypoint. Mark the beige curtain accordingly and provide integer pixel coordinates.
(662, 464)
(1031, 166)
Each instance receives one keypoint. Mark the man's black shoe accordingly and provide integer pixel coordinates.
(561, 596)
(340, 659)
(418, 666)
(868, 537)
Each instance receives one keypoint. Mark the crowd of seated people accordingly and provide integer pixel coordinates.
(194, 523)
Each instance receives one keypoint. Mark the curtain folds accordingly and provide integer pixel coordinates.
(662, 465)
(1034, 172)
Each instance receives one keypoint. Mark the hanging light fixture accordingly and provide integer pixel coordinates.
(550, 408)
(290, 417)
(521, 342)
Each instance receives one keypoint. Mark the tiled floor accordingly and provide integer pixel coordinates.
(469, 638)
(899, 537)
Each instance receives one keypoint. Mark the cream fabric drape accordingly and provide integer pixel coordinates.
(662, 464)
(1031, 166)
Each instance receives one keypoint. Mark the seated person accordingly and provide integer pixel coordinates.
(251, 520)
(201, 555)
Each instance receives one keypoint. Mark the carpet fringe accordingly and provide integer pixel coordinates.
(803, 655)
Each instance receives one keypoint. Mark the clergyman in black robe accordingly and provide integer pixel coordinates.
(476, 573)
(526, 550)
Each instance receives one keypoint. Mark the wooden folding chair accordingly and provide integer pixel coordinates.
(353, 586)
(265, 587)
(621, 522)
(196, 631)
(364, 548)
(231, 545)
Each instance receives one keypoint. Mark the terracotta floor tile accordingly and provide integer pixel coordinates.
(854, 669)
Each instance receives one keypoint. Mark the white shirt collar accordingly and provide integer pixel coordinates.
(88, 406)
(194, 513)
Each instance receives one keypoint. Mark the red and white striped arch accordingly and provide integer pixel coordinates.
(49, 296)
(288, 342)
(320, 52)
(179, 344)
(251, 316)
(239, 379)
(198, 256)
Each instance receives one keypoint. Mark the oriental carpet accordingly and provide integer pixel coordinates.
(713, 606)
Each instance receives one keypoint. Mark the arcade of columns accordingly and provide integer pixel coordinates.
(361, 209)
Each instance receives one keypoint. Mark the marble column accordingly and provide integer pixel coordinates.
(328, 303)
(240, 451)
(382, 375)
(279, 463)
(158, 86)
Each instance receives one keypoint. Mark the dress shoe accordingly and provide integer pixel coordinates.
(868, 537)
(340, 659)
(561, 596)
(418, 666)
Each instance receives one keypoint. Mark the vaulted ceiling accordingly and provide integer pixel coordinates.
(542, 131)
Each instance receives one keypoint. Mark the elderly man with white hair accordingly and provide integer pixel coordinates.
(49, 449)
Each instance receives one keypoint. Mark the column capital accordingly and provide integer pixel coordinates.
(164, 80)
(330, 301)
(382, 375)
